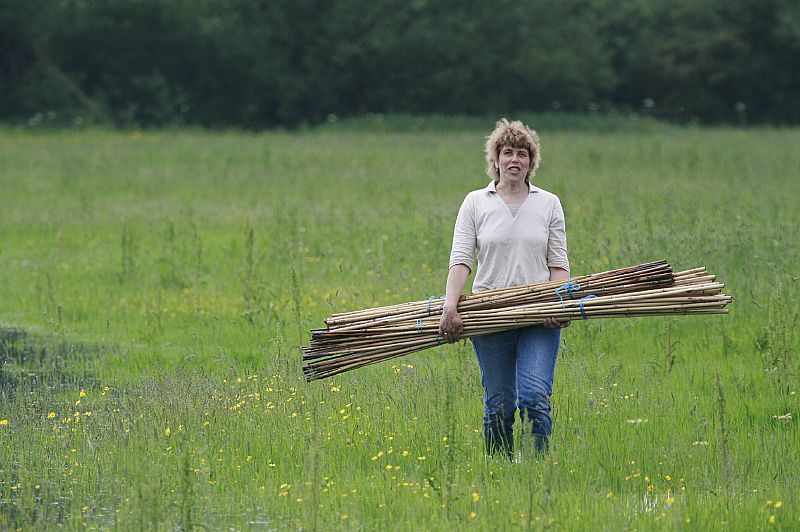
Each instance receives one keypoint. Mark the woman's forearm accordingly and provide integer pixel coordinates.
(456, 279)
(450, 324)
(556, 274)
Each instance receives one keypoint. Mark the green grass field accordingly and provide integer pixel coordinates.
(155, 286)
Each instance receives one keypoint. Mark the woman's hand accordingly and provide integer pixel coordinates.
(552, 323)
(557, 274)
(450, 325)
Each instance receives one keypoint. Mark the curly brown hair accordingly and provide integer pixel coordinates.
(514, 134)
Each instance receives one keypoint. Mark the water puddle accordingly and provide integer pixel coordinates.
(28, 362)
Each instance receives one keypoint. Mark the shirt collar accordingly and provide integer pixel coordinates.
(492, 187)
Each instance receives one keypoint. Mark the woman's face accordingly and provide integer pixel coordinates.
(513, 163)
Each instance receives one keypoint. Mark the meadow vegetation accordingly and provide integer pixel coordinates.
(155, 286)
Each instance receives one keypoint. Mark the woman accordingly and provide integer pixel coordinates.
(518, 233)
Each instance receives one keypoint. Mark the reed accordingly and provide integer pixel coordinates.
(360, 338)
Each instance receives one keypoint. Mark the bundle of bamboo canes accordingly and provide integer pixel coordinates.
(356, 339)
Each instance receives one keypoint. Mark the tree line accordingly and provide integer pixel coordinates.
(264, 63)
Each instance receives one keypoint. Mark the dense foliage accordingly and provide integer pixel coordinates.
(259, 63)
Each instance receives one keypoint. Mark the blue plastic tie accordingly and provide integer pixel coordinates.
(430, 300)
(438, 340)
(583, 313)
(568, 288)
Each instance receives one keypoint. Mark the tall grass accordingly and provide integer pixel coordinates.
(154, 288)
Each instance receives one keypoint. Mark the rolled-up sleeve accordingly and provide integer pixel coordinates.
(557, 239)
(464, 236)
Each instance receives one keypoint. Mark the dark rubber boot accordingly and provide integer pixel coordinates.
(535, 446)
(499, 444)
(541, 444)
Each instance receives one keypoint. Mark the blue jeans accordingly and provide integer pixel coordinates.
(517, 370)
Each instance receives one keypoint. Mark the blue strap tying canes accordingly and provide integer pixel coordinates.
(583, 313)
(438, 342)
(568, 288)
(430, 300)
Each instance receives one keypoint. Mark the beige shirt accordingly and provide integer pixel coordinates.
(511, 250)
